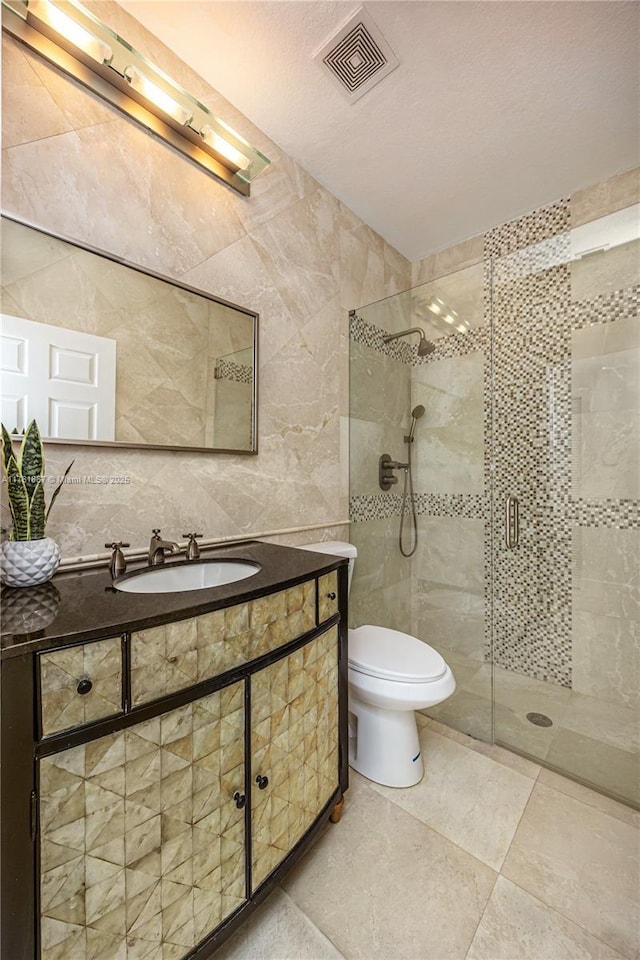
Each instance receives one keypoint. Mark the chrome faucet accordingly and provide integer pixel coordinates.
(157, 547)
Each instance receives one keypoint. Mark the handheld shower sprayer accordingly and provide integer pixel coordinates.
(416, 413)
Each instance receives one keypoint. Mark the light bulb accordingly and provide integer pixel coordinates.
(226, 149)
(150, 91)
(67, 27)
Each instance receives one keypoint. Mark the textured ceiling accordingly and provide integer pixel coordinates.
(496, 107)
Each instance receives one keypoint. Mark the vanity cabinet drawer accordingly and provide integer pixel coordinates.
(327, 595)
(80, 684)
(174, 656)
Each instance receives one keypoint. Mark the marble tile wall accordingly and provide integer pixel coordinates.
(292, 252)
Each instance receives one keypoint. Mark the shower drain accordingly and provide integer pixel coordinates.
(540, 719)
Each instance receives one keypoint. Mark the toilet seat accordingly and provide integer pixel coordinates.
(392, 655)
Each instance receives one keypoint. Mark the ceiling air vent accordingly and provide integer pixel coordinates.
(357, 56)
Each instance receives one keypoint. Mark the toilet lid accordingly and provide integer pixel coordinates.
(391, 655)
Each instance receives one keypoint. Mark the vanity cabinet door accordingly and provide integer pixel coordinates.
(294, 748)
(142, 846)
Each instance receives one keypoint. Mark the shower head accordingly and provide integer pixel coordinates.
(425, 347)
(416, 413)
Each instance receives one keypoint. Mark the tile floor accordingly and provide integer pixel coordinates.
(489, 858)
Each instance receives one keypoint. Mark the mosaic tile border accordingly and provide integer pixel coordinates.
(607, 308)
(473, 506)
(530, 230)
(238, 372)
(530, 631)
(454, 345)
(616, 514)
(371, 336)
(376, 506)
(381, 506)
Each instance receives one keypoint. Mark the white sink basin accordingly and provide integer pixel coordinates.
(192, 576)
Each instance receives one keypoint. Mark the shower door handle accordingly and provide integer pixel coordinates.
(512, 522)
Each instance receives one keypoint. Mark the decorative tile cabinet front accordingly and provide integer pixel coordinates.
(169, 797)
(294, 748)
(141, 842)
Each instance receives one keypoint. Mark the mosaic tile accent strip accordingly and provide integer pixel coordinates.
(371, 336)
(470, 505)
(177, 655)
(532, 442)
(454, 345)
(376, 506)
(619, 514)
(528, 231)
(228, 370)
(141, 844)
(60, 672)
(294, 743)
(381, 506)
(619, 305)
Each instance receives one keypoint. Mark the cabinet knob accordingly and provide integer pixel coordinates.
(84, 686)
(240, 799)
(262, 782)
(331, 595)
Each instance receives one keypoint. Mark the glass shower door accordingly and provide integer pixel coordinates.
(565, 550)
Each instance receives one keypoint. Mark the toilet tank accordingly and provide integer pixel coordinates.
(337, 548)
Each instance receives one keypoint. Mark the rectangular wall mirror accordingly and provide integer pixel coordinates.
(106, 353)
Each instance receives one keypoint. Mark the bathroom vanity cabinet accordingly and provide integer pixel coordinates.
(157, 781)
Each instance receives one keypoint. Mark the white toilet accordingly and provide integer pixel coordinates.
(391, 674)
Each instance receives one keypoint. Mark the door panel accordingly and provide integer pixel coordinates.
(65, 379)
(141, 843)
(294, 745)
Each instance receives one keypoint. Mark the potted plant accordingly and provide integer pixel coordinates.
(28, 557)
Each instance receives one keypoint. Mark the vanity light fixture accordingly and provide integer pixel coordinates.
(69, 36)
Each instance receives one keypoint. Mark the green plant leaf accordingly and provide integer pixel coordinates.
(7, 447)
(18, 500)
(37, 521)
(32, 458)
(57, 491)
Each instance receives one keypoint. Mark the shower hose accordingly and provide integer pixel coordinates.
(408, 491)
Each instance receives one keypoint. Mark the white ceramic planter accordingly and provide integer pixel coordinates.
(25, 563)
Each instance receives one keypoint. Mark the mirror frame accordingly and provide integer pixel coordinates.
(125, 444)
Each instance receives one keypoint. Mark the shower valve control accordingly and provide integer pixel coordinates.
(386, 466)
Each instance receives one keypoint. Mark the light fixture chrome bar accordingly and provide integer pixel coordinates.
(69, 36)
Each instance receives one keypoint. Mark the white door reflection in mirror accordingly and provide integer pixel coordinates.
(64, 379)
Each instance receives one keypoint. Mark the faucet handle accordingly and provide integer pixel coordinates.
(156, 533)
(117, 563)
(193, 550)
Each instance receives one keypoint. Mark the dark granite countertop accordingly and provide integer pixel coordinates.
(83, 605)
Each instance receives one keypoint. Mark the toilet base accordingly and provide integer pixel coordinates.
(385, 747)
